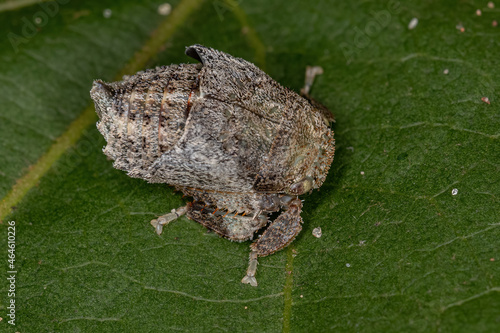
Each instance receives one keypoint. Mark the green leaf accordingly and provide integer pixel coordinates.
(409, 212)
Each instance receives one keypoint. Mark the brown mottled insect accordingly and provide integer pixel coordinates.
(226, 134)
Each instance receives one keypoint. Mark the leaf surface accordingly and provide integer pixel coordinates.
(409, 212)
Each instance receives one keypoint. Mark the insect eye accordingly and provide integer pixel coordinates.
(270, 203)
(301, 187)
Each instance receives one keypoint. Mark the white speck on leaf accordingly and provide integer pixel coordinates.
(478, 12)
(413, 23)
(347, 265)
(317, 232)
(107, 13)
(362, 173)
(491, 5)
(446, 71)
(454, 191)
(164, 9)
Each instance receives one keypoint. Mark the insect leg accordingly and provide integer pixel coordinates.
(311, 72)
(167, 218)
(232, 226)
(281, 232)
(251, 270)
(277, 236)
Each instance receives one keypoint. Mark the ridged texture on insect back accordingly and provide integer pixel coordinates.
(144, 116)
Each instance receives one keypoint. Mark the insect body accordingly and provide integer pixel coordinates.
(226, 134)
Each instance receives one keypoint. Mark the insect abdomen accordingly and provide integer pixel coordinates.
(144, 115)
